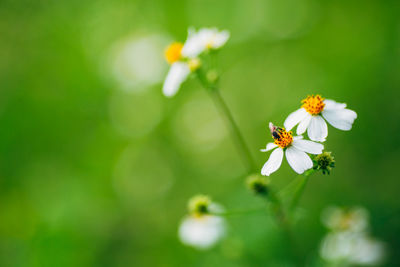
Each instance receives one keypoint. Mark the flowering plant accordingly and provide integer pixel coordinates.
(205, 225)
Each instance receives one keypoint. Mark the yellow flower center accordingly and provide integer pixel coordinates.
(282, 138)
(173, 52)
(313, 104)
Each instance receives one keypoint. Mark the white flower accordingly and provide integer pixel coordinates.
(202, 230)
(183, 57)
(339, 219)
(311, 117)
(349, 241)
(295, 148)
(352, 248)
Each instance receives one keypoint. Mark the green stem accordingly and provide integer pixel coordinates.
(300, 189)
(236, 134)
(234, 129)
(283, 222)
(238, 212)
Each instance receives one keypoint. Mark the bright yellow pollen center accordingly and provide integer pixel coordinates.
(283, 139)
(313, 104)
(173, 52)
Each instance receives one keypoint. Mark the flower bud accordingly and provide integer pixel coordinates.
(324, 162)
(258, 184)
(212, 76)
(199, 205)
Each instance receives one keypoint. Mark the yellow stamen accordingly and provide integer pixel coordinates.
(282, 138)
(194, 64)
(173, 52)
(313, 104)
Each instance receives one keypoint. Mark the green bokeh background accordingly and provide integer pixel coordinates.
(95, 171)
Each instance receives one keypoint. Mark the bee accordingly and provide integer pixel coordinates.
(276, 135)
(275, 131)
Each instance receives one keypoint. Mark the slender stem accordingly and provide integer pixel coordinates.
(237, 135)
(300, 189)
(238, 212)
(284, 223)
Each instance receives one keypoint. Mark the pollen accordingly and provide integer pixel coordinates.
(282, 138)
(313, 104)
(173, 52)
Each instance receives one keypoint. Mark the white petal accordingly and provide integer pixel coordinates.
(177, 74)
(298, 160)
(273, 163)
(304, 124)
(298, 137)
(202, 232)
(294, 118)
(194, 45)
(340, 118)
(205, 38)
(308, 146)
(269, 147)
(331, 104)
(317, 130)
(220, 39)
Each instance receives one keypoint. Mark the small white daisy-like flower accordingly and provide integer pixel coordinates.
(313, 113)
(295, 148)
(184, 57)
(348, 241)
(351, 248)
(203, 230)
(340, 219)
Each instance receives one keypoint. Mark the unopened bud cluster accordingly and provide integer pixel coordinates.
(199, 205)
(258, 184)
(324, 162)
(212, 76)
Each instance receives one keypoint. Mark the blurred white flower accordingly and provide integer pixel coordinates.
(202, 230)
(311, 117)
(295, 148)
(349, 242)
(338, 219)
(183, 57)
(351, 248)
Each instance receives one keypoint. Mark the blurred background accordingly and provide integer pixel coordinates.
(96, 165)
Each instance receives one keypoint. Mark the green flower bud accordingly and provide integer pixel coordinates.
(212, 76)
(258, 184)
(324, 162)
(199, 205)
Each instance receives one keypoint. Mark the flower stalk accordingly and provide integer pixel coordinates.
(300, 189)
(241, 145)
(239, 212)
